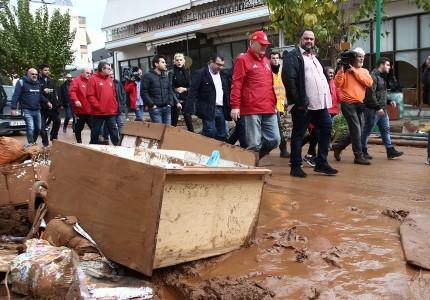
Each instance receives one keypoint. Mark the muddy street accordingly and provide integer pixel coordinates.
(319, 238)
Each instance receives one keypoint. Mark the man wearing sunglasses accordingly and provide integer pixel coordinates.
(28, 94)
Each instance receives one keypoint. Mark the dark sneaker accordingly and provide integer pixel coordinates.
(366, 155)
(325, 168)
(298, 172)
(392, 153)
(284, 154)
(336, 151)
(311, 160)
(64, 129)
(361, 161)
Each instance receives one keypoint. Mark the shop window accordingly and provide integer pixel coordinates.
(424, 29)
(386, 37)
(406, 37)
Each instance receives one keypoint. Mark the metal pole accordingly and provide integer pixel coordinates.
(378, 30)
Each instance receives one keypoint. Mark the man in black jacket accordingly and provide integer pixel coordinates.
(309, 97)
(208, 98)
(66, 103)
(425, 79)
(376, 110)
(49, 90)
(157, 92)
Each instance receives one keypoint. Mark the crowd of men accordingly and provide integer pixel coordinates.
(254, 94)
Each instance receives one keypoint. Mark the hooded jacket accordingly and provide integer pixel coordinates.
(27, 93)
(101, 95)
(78, 92)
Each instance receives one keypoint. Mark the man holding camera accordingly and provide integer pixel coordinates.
(308, 96)
(132, 87)
(353, 80)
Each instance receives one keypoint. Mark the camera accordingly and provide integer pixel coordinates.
(135, 76)
(131, 74)
(347, 57)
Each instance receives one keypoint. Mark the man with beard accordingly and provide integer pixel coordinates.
(253, 98)
(376, 109)
(353, 82)
(156, 91)
(308, 95)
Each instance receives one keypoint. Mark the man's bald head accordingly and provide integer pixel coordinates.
(32, 74)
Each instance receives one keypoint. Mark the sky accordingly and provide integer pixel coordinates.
(93, 10)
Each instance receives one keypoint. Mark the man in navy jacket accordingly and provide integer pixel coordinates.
(208, 98)
(27, 93)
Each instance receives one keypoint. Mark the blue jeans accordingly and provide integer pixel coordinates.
(353, 113)
(139, 113)
(301, 119)
(428, 145)
(161, 114)
(262, 133)
(120, 124)
(215, 128)
(110, 124)
(371, 118)
(69, 115)
(33, 123)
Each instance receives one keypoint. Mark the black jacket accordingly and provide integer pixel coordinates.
(120, 95)
(63, 95)
(376, 96)
(202, 95)
(180, 78)
(51, 96)
(293, 77)
(156, 89)
(425, 78)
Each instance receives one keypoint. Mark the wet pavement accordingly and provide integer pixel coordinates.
(319, 238)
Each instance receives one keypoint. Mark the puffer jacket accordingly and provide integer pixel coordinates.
(27, 93)
(425, 78)
(376, 96)
(156, 89)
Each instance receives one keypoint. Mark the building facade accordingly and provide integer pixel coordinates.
(198, 28)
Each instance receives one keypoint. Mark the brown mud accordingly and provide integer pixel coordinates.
(321, 237)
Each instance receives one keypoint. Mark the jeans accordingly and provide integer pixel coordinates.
(56, 122)
(110, 124)
(238, 134)
(371, 118)
(81, 119)
(262, 133)
(353, 113)
(69, 115)
(33, 124)
(120, 124)
(428, 145)
(301, 119)
(139, 113)
(161, 114)
(215, 128)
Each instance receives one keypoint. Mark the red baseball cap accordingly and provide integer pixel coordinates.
(261, 37)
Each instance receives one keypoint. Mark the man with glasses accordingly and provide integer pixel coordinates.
(208, 98)
(28, 94)
(81, 106)
(253, 98)
(66, 103)
(104, 107)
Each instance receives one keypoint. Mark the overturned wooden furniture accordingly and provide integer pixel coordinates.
(149, 214)
(161, 136)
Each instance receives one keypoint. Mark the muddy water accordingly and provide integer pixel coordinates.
(326, 237)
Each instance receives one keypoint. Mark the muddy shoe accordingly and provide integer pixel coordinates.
(392, 153)
(298, 172)
(336, 151)
(366, 155)
(361, 161)
(325, 168)
(284, 154)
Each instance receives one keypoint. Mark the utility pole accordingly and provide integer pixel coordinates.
(378, 29)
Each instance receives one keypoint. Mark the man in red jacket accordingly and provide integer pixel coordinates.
(104, 107)
(253, 98)
(80, 105)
